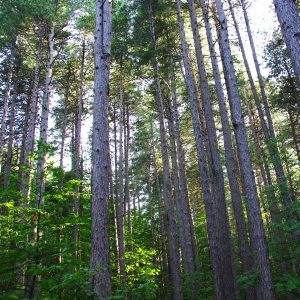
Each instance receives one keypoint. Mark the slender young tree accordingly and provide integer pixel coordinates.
(121, 192)
(100, 276)
(77, 155)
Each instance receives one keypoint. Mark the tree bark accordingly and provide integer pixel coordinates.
(183, 221)
(231, 164)
(121, 203)
(5, 104)
(12, 119)
(210, 209)
(226, 251)
(100, 278)
(161, 215)
(174, 267)
(127, 154)
(294, 134)
(182, 174)
(289, 19)
(30, 127)
(77, 156)
(256, 229)
(44, 122)
(272, 144)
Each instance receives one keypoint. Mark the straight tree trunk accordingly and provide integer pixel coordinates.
(64, 122)
(30, 127)
(12, 120)
(289, 19)
(44, 122)
(5, 104)
(77, 156)
(264, 168)
(272, 147)
(218, 188)
(127, 154)
(31, 281)
(257, 234)
(161, 219)
(210, 209)
(100, 278)
(121, 204)
(294, 133)
(182, 174)
(183, 221)
(231, 165)
(177, 293)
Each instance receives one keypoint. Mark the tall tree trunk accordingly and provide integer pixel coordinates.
(12, 120)
(127, 154)
(272, 145)
(294, 134)
(231, 165)
(121, 205)
(263, 166)
(44, 122)
(182, 173)
(183, 221)
(5, 104)
(289, 19)
(167, 185)
(100, 277)
(31, 281)
(210, 209)
(77, 156)
(64, 121)
(256, 229)
(161, 218)
(30, 127)
(218, 187)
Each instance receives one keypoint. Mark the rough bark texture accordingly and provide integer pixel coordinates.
(5, 104)
(121, 203)
(182, 175)
(231, 165)
(127, 155)
(203, 167)
(30, 126)
(44, 122)
(183, 221)
(77, 156)
(289, 19)
(256, 229)
(100, 278)
(272, 145)
(226, 251)
(174, 267)
(161, 220)
(9, 156)
(295, 133)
